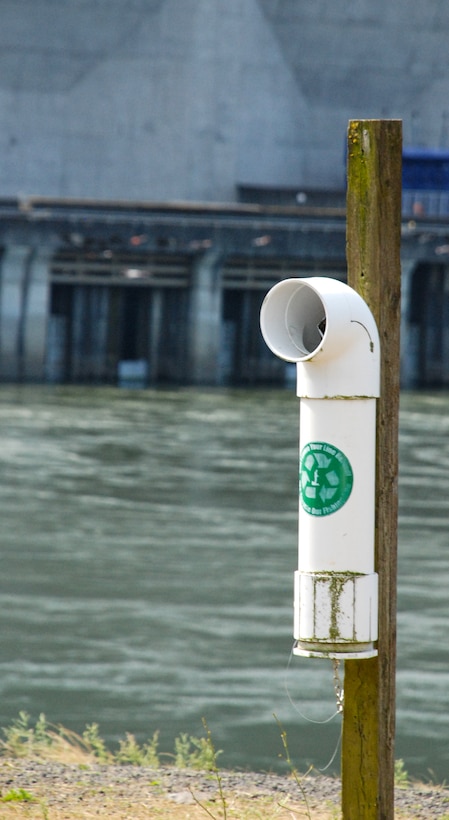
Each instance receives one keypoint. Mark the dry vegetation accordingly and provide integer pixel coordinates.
(50, 773)
(128, 800)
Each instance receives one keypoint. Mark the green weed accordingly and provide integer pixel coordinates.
(208, 751)
(401, 778)
(147, 755)
(22, 739)
(17, 795)
(96, 744)
(47, 741)
(196, 752)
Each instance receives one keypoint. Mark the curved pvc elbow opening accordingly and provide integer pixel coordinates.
(328, 330)
(293, 320)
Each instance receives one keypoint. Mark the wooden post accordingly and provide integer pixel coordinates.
(373, 258)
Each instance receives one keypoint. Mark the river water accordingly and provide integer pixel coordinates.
(148, 545)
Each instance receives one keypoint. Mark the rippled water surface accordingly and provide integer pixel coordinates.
(148, 544)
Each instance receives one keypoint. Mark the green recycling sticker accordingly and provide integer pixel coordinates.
(325, 477)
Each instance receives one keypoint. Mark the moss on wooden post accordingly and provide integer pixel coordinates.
(373, 257)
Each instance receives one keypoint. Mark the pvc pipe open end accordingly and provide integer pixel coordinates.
(305, 319)
(293, 320)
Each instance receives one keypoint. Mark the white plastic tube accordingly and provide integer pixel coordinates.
(337, 447)
(328, 330)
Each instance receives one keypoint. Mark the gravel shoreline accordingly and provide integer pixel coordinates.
(56, 780)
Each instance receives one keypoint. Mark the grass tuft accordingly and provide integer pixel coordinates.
(196, 752)
(401, 778)
(17, 796)
(131, 753)
(46, 741)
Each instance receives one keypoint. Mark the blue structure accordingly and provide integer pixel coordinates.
(425, 169)
(425, 182)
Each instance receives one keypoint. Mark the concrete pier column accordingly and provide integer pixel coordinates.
(445, 328)
(36, 315)
(12, 285)
(154, 334)
(409, 333)
(24, 288)
(205, 319)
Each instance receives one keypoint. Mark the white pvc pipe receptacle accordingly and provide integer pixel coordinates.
(328, 330)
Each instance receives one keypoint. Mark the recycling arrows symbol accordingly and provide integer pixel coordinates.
(326, 478)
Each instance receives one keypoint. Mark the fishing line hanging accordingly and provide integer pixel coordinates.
(339, 697)
(338, 690)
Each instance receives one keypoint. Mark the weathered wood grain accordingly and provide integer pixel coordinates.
(373, 258)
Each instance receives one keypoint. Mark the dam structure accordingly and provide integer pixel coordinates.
(164, 163)
(87, 287)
